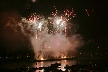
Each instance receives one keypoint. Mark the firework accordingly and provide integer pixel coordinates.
(48, 36)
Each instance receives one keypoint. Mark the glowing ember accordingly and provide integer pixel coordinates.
(42, 58)
(64, 57)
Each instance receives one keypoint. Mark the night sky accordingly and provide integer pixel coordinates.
(92, 27)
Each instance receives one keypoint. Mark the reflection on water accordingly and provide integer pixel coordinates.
(38, 64)
(46, 64)
(40, 70)
(63, 64)
(70, 65)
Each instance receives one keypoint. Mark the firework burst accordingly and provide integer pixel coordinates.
(48, 36)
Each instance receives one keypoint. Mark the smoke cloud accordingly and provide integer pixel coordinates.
(51, 37)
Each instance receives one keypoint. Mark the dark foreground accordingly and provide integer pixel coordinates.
(57, 67)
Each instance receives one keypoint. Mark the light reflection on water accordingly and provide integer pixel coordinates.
(46, 64)
(40, 70)
(39, 64)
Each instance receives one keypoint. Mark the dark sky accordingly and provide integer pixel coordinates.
(93, 27)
